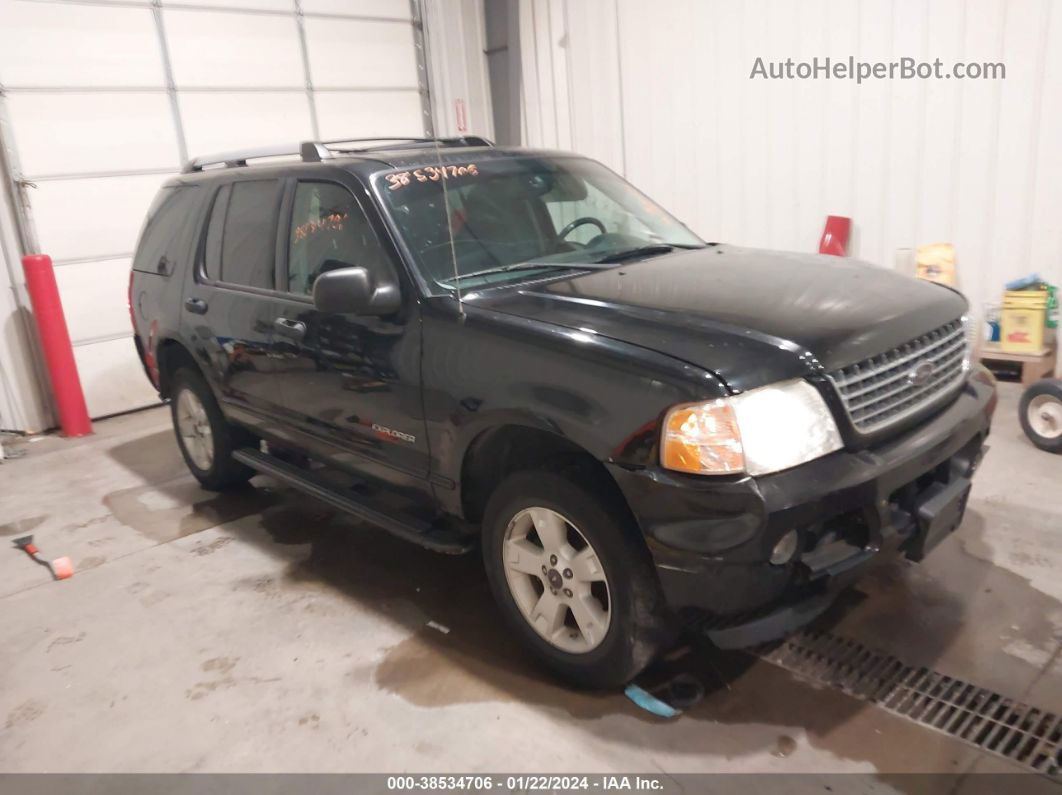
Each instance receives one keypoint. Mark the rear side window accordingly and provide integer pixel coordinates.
(165, 241)
(215, 232)
(241, 236)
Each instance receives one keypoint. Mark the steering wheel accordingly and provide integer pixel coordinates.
(586, 219)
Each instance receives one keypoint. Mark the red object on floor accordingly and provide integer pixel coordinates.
(62, 568)
(55, 342)
(835, 236)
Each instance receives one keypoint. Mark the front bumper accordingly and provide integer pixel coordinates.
(711, 538)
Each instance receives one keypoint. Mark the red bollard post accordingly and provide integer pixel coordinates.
(55, 341)
(835, 236)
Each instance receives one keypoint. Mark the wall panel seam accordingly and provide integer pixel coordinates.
(171, 83)
(304, 52)
(1033, 173)
(619, 78)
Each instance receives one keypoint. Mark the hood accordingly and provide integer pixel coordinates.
(750, 316)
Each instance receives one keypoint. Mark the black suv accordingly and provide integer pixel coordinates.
(471, 345)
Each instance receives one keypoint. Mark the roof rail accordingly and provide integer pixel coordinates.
(464, 140)
(316, 151)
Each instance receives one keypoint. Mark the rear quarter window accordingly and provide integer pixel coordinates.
(215, 233)
(166, 239)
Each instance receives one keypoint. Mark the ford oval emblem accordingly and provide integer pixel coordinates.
(920, 374)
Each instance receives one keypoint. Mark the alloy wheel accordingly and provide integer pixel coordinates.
(556, 580)
(193, 425)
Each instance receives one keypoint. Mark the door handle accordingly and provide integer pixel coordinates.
(289, 328)
(196, 306)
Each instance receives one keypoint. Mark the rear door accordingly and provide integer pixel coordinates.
(230, 306)
(351, 383)
(164, 256)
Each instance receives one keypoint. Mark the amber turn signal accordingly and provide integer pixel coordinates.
(702, 438)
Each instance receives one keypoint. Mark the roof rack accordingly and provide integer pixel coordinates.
(316, 151)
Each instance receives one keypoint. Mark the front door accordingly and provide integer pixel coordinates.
(351, 384)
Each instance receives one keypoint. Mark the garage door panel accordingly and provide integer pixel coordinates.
(81, 218)
(92, 132)
(386, 9)
(89, 94)
(221, 49)
(262, 5)
(95, 298)
(354, 114)
(112, 377)
(346, 53)
(217, 122)
(48, 44)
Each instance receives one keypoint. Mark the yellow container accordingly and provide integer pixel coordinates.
(1022, 321)
(1025, 299)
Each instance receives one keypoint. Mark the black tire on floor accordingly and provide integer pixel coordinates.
(1045, 393)
(224, 471)
(640, 625)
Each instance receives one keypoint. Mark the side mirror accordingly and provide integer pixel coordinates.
(352, 289)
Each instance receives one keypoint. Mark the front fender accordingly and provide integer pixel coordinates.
(605, 396)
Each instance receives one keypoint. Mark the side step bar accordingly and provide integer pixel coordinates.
(422, 533)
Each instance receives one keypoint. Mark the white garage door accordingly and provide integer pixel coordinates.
(103, 100)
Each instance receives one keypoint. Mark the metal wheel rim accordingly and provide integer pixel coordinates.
(556, 580)
(193, 425)
(1045, 416)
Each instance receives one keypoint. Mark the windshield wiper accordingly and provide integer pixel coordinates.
(640, 251)
(598, 264)
(523, 266)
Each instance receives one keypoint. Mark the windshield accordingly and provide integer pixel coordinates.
(513, 214)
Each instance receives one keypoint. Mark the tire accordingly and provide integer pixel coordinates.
(205, 437)
(629, 624)
(1040, 412)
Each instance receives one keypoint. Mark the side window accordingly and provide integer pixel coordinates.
(328, 231)
(247, 243)
(168, 230)
(215, 229)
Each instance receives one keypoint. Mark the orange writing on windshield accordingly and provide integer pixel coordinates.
(430, 174)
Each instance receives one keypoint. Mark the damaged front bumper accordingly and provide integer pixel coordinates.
(711, 538)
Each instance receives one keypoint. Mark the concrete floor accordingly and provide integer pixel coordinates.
(260, 631)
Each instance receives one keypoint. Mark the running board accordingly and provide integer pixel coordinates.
(422, 533)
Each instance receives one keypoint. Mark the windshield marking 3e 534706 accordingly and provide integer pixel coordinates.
(512, 218)
(429, 174)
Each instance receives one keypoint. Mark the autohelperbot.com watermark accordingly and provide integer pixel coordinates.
(851, 68)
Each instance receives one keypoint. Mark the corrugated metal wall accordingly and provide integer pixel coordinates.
(661, 92)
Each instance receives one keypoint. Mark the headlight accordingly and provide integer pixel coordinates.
(761, 431)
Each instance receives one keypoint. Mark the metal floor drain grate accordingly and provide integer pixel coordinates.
(983, 718)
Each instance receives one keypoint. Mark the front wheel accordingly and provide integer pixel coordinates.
(1041, 414)
(573, 579)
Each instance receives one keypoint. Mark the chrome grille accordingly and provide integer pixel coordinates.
(884, 389)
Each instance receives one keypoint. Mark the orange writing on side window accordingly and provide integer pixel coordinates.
(332, 222)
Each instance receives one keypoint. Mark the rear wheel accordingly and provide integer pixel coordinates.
(1041, 415)
(207, 440)
(573, 578)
